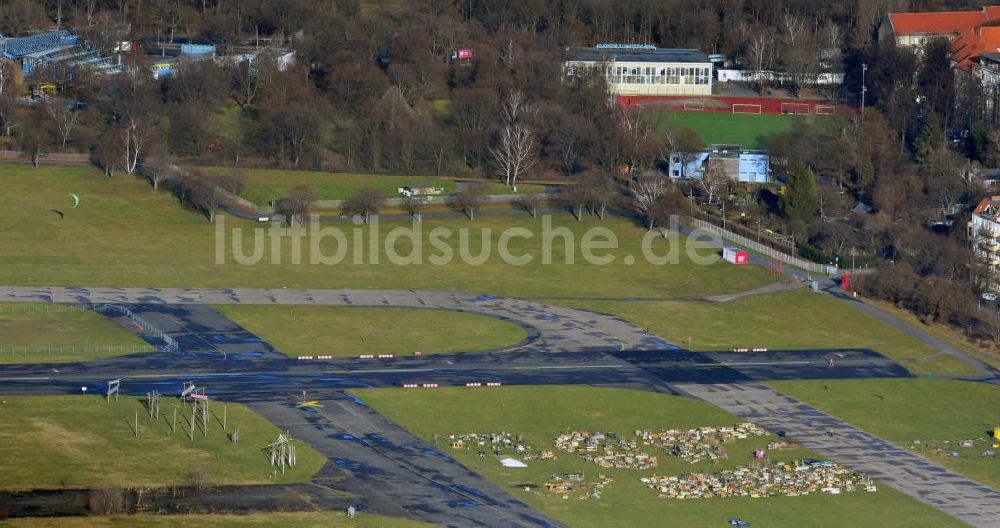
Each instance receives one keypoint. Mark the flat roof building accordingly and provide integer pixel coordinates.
(633, 69)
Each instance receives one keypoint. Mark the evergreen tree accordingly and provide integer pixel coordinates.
(930, 138)
(801, 198)
(977, 143)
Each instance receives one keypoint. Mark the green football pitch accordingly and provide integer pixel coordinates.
(747, 130)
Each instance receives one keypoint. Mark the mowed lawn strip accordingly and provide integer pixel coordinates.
(284, 520)
(125, 234)
(79, 441)
(541, 413)
(796, 319)
(264, 185)
(46, 333)
(349, 331)
(747, 130)
(904, 410)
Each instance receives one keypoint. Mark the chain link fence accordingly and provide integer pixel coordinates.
(14, 351)
(745, 242)
(169, 343)
(40, 308)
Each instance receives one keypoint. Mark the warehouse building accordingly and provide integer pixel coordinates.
(634, 69)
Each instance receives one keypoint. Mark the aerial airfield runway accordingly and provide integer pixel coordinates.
(393, 472)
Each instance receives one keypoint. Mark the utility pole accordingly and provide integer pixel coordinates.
(864, 89)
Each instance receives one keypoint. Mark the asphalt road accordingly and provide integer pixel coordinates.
(398, 474)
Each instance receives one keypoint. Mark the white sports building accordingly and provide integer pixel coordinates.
(636, 69)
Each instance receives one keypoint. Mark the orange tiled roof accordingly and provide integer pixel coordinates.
(987, 207)
(942, 22)
(967, 47)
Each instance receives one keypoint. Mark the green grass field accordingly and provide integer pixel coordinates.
(284, 520)
(74, 441)
(785, 320)
(265, 185)
(37, 333)
(904, 410)
(540, 413)
(347, 331)
(747, 130)
(125, 234)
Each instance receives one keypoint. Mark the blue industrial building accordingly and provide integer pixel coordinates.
(51, 57)
(750, 166)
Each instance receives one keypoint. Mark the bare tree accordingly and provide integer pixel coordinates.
(106, 499)
(234, 181)
(514, 153)
(689, 147)
(513, 107)
(640, 144)
(760, 55)
(794, 29)
(530, 202)
(297, 204)
(6, 78)
(438, 146)
(106, 153)
(569, 140)
(132, 137)
(575, 196)
(33, 141)
(204, 193)
(713, 181)
(365, 202)
(9, 111)
(646, 195)
(414, 206)
(469, 198)
(247, 80)
(64, 117)
(600, 191)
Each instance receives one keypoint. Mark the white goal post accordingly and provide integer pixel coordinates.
(694, 105)
(741, 108)
(795, 108)
(826, 110)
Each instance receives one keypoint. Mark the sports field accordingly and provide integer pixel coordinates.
(539, 414)
(748, 130)
(349, 331)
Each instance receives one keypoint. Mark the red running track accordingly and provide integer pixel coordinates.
(724, 104)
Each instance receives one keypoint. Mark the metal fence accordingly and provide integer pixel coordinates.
(169, 343)
(40, 308)
(10, 351)
(768, 251)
